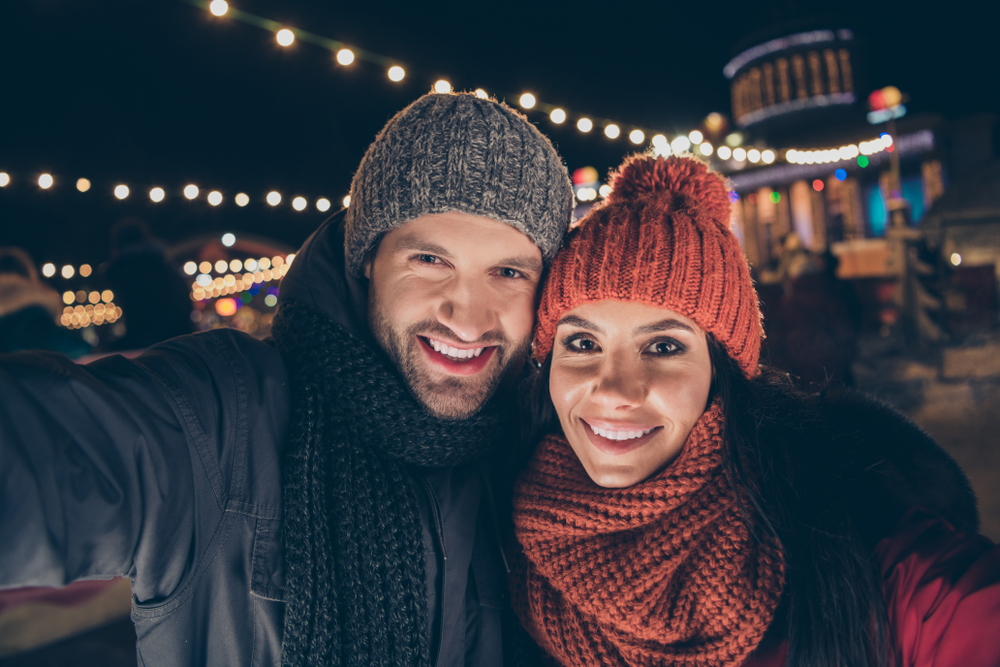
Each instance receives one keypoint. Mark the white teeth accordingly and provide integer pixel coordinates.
(620, 435)
(454, 352)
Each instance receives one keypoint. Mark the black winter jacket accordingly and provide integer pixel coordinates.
(166, 469)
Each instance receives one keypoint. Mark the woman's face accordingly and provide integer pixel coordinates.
(628, 381)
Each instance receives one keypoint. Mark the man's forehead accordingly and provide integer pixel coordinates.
(451, 234)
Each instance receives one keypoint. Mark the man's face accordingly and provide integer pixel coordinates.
(451, 299)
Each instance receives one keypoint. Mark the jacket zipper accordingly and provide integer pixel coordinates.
(439, 527)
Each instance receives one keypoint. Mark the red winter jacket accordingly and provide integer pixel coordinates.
(942, 593)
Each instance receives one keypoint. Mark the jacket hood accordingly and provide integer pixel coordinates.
(319, 278)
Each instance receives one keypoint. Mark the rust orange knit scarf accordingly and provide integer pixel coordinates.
(661, 573)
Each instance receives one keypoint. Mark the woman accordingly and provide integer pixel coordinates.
(687, 508)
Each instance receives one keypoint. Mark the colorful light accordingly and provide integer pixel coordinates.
(818, 185)
(82, 184)
(205, 267)
(225, 307)
(840, 175)
(774, 197)
(86, 270)
(862, 161)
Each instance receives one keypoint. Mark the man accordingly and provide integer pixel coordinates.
(321, 501)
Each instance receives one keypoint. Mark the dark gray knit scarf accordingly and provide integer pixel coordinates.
(355, 590)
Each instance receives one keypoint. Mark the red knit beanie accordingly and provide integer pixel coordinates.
(661, 238)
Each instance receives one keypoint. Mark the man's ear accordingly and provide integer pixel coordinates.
(366, 265)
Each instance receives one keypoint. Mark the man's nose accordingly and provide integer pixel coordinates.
(468, 310)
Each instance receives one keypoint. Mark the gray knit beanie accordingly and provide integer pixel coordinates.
(457, 152)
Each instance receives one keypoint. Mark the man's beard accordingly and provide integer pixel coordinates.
(454, 397)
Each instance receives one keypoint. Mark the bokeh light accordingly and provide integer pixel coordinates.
(228, 239)
(705, 148)
(86, 270)
(45, 181)
(205, 267)
(527, 101)
(157, 194)
(121, 191)
(4, 179)
(347, 201)
(323, 204)
(442, 86)
(222, 265)
(82, 184)
(67, 271)
(285, 37)
(345, 56)
(696, 137)
(956, 259)
(235, 265)
(191, 191)
(219, 7)
(226, 307)
(636, 136)
(299, 203)
(242, 199)
(753, 155)
(48, 270)
(724, 152)
(739, 154)
(612, 131)
(190, 268)
(584, 125)
(767, 156)
(558, 116)
(818, 185)
(273, 198)
(396, 73)
(481, 94)
(214, 197)
(680, 144)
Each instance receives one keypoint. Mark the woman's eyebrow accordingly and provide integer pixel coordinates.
(662, 325)
(575, 321)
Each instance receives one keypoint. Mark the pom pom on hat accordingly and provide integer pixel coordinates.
(642, 175)
(661, 238)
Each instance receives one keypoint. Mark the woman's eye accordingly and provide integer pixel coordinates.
(664, 347)
(582, 344)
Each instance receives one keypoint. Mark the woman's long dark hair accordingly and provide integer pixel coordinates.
(832, 609)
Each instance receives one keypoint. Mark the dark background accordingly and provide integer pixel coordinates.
(161, 93)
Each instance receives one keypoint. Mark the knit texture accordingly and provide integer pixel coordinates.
(355, 583)
(661, 573)
(661, 238)
(457, 152)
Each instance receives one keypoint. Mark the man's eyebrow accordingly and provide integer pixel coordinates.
(406, 242)
(662, 325)
(523, 263)
(575, 321)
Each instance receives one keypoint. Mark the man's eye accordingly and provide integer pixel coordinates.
(509, 273)
(428, 259)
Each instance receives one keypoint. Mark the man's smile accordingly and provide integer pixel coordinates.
(456, 360)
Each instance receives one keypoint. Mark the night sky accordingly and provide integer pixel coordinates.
(162, 93)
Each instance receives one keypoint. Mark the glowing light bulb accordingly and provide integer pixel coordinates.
(724, 152)
(345, 56)
(82, 184)
(696, 137)
(121, 191)
(299, 203)
(221, 265)
(285, 37)
(396, 73)
(273, 198)
(768, 156)
(612, 131)
(604, 191)
(242, 199)
(68, 297)
(67, 272)
(219, 7)
(4, 179)
(705, 148)
(347, 201)
(86, 270)
(323, 204)
(558, 116)
(481, 94)
(48, 270)
(214, 197)
(956, 259)
(527, 101)
(753, 155)
(191, 191)
(680, 144)
(190, 268)
(228, 239)
(660, 145)
(636, 136)
(739, 154)
(45, 181)
(584, 125)
(157, 194)
(442, 86)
